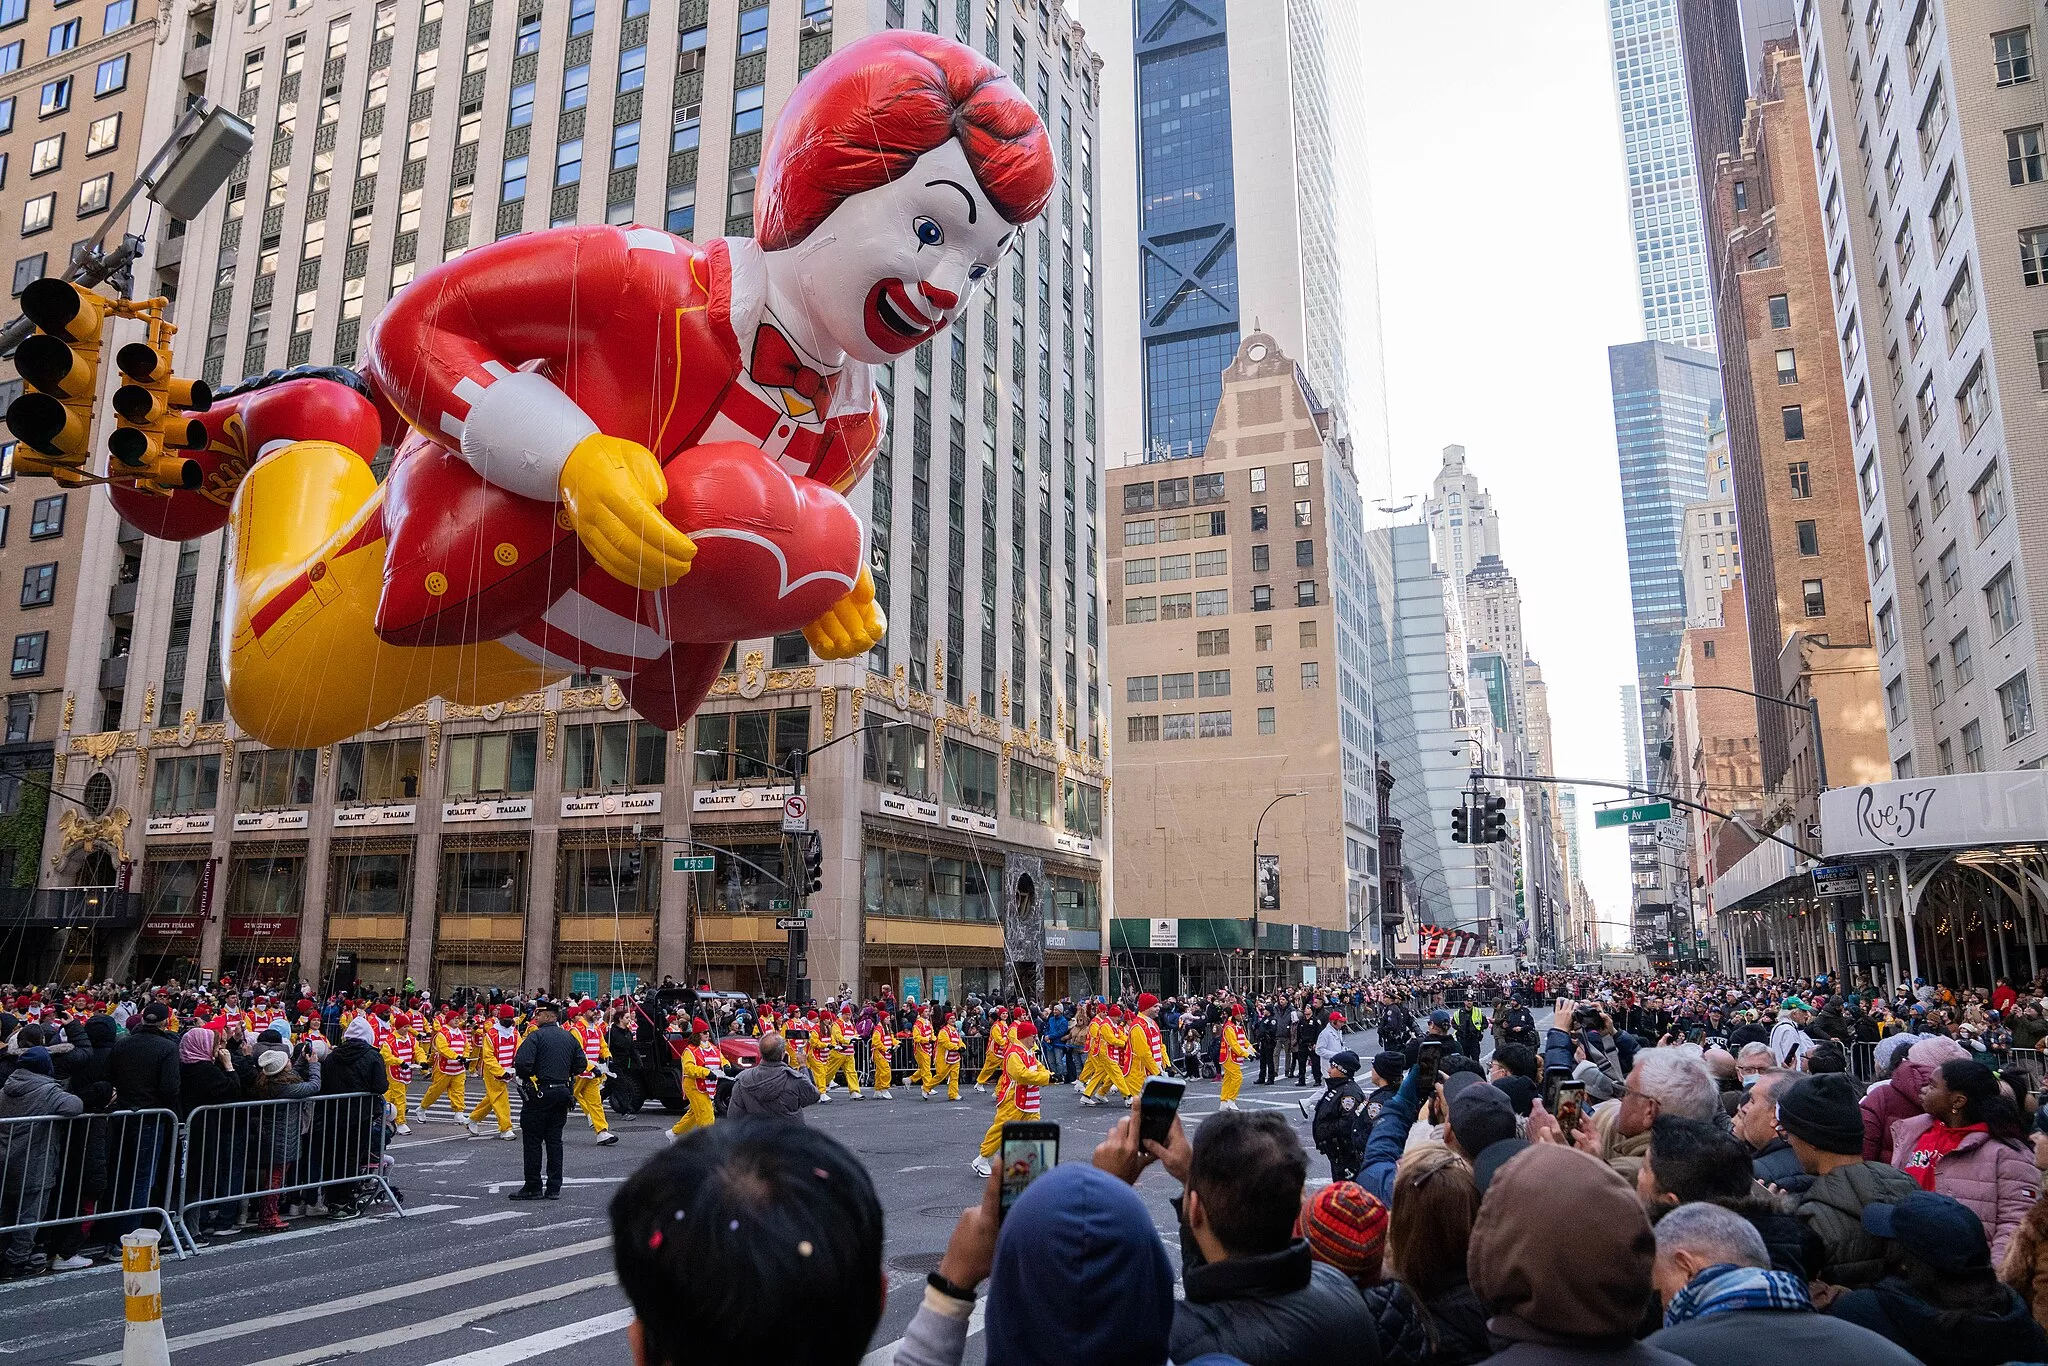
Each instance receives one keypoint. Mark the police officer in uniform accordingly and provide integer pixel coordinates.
(547, 1064)
(1338, 1127)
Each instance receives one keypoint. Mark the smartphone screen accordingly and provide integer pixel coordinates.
(1158, 1103)
(1029, 1150)
(1426, 1058)
(1571, 1106)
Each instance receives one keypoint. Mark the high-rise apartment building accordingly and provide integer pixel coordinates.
(1925, 124)
(73, 132)
(1462, 522)
(1493, 621)
(1663, 178)
(537, 843)
(1713, 551)
(1238, 609)
(1242, 203)
(1665, 398)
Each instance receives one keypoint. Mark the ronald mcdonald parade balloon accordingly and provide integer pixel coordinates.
(615, 450)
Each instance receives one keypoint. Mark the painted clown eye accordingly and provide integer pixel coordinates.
(929, 232)
(976, 272)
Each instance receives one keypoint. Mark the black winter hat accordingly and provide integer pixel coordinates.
(1824, 1111)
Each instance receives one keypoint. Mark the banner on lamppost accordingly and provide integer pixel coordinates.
(1268, 876)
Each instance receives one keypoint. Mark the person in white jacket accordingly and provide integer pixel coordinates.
(1331, 1041)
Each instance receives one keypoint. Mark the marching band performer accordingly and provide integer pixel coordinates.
(394, 1041)
(588, 1089)
(881, 1044)
(839, 1061)
(697, 1083)
(1017, 1092)
(1147, 1049)
(921, 1035)
(992, 1058)
(451, 1064)
(499, 1045)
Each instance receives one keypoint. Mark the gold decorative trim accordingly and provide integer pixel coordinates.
(326, 759)
(70, 710)
(788, 680)
(101, 746)
(148, 708)
(938, 664)
(211, 734)
(227, 761)
(828, 710)
(433, 744)
(753, 679)
(547, 725)
(75, 832)
(858, 698)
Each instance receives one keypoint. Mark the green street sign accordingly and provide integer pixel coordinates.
(1634, 814)
(696, 863)
(780, 903)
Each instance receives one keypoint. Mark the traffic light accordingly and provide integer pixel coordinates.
(151, 405)
(60, 364)
(1493, 820)
(814, 863)
(1461, 823)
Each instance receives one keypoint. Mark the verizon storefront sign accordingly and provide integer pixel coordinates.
(1959, 811)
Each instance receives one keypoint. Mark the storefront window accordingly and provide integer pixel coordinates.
(1076, 904)
(897, 757)
(378, 771)
(750, 746)
(748, 880)
(970, 777)
(484, 882)
(1031, 791)
(614, 755)
(184, 785)
(491, 765)
(611, 881)
(372, 885)
(1083, 809)
(910, 885)
(273, 778)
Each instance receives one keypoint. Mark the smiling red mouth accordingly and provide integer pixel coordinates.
(894, 323)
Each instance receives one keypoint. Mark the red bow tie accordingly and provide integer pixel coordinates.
(776, 365)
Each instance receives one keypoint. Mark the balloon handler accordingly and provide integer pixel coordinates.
(616, 451)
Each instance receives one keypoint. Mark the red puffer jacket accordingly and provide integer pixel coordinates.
(1887, 1104)
(1999, 1182)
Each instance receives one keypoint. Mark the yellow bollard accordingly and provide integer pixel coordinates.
(143, 1344)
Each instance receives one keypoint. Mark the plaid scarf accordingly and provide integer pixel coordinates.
(1727, 1289)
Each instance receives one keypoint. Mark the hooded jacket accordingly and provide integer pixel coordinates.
(1832, 1210)
(1998, 1182)
(1945, 1337)
(1583, 1306)
(770, 1090)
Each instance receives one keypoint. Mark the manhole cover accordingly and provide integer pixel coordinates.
(916, 1263)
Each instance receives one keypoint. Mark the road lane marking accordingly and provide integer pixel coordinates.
(500, 1217)
(445, 1323)
(368, 1298)
(494, 1187)
(524, 1349)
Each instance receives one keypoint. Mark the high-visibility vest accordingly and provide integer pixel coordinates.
(505, 1043)
(593, 1043)
(1024, 1095)
(458, 1044)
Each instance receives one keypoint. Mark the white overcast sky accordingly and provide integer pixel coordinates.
(1506, 270)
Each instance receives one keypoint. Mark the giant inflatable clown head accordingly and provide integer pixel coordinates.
(893, 182)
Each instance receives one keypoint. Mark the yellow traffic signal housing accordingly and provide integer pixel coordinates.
(149, 406)
(60, 365)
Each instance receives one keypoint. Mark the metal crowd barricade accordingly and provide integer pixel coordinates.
(264, 1149)
(1863, 1061)
(60, 1171)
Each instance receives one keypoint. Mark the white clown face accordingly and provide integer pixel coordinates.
(894, 266)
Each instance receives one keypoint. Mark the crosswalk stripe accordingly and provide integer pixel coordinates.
(351, 1303)
(498, 1218)
(445, 1323)
(523, 1349)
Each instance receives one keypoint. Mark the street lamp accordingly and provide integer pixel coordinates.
(1258, 826)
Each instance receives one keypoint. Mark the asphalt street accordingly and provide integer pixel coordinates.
(468, 1278)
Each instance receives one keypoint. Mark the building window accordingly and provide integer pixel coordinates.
(754, 746)
(1137, 611)
(183, 785)
(569, 162)
(1211, 564)
(1788, 365)
(1311, 674)
(1802, 479)
(1306, 635)
(64, 36)
(632, 68)
(2013, 55)
(1962, 664)
(47, 155)
(1212, 683)
(1973, 748)
(1304, 513)
(746, 104)
(1138, 728)
(970, 777)
(1262, 555)
(1304, 554)
(1267, 722)
(1809, 537)
(1987, 500)
(2034, 255)
(1262, 598)
(1209, 644)
(1176, 687)
(626, 145)
(94, 195)
(1258, 519)
(28, 653)
(1174, 568)
(110, 76)
(522, 106)
(690, 49)
(273, 778)
(10, 57)
(2023, 162)
(1305, 593)
(1211, 602)
(1032, 792)
(1262, 678)
(1973, 401)
(1816, 598)
(1951, 566)
(1141, 688)
(513, 180)
(119, 15)
(1208, 488)
(1895, 702)
(576, 87)
(2002, 603)
(2016, 708)
(103, 135)
(46, 517)
(38, 585)
(682, 210)
(1887, 626)
(1795, 422)
(1866, 481)
(1259, 479)
(1781, 310)
(1935, 686)
(378, 771)
(2041, 359)
(21, 718)
(56, 97)
(582, 17)
(492, 764)
(1946, 752)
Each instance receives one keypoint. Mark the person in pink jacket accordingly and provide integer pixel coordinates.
(1885, 1104)
(1970, 1145)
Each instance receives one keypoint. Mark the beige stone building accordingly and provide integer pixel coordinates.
(1228, 645)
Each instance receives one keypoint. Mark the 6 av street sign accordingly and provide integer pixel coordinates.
(1633, 814)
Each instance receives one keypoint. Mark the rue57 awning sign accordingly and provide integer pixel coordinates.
(1958, 811)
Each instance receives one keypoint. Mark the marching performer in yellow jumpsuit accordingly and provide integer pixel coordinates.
(949, 1046)
(394, 1041)
(881, 1044)
(500, 1044)
(1148, 1050)
(1235, 1048)
(998, 1044)
(451, 1065)
(697, 1084)
(820, 1027)
(1017, 1093)
(589, 1088)
(1096, 1080)
(921, 1049)
(839, 1062)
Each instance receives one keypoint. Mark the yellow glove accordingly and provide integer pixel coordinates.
(612, 490)
(851, 626)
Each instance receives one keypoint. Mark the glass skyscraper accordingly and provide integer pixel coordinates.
(1663, 184)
